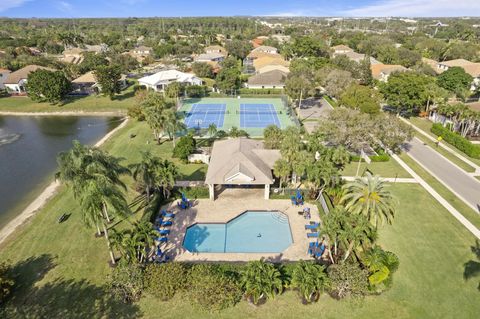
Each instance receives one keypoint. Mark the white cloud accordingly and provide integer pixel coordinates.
(417, 8)
(65, 6)
(8, 4)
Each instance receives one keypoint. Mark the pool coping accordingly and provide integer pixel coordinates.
(233, 218)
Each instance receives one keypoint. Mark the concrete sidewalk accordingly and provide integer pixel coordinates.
(386, 179)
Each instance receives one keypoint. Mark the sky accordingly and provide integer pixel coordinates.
(177, 8)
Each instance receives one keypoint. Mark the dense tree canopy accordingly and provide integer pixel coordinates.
(50, 86)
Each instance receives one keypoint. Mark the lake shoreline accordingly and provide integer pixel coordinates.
(65, 113)
(46, 194)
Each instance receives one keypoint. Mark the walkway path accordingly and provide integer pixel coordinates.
(442, 145)
(451, 176)
(465, 222)
(386, 179)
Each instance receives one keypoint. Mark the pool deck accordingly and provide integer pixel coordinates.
(229, 204)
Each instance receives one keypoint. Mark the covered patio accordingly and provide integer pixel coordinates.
(240, 163)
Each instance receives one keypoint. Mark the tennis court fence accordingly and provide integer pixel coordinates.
(289, 109)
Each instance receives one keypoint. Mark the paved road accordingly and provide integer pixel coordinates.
(466, 187)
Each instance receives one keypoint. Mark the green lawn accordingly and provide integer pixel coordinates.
(456, 202)
(425, 126)
(72, 104)
(64, 268)
(384, 169)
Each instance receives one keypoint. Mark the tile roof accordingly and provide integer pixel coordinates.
(242, 161)
(274, 78)
(23, 73)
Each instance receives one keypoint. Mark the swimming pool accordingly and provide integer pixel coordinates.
(250, 232)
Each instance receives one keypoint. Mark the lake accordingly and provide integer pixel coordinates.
(28, 149)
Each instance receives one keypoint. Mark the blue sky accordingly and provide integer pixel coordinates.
(148, 8)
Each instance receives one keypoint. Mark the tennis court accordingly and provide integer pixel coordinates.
(202, 115)
(258, 116)
(249, 114)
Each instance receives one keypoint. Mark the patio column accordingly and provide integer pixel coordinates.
(211, 190)
(267, 191)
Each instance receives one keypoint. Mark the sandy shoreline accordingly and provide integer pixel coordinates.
(64, 113)
(47, 193)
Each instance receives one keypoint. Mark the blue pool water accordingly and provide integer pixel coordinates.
(250, 232)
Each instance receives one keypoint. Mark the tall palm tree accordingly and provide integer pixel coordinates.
(212, 130)
(310, 279)
(332, 231)
(174, 124)
(356, 231)
(370, 197)
(146, 235)
(145, 171)
(282, 170)
(98, 200)
(166, 175)
(261, 280)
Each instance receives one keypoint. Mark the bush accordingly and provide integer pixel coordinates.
(194, 192)
(185, 146)
(136, 112)
(348, 280)
(6, 282)
(212, 289)
(196, 90)
(246, 91)
(456, 140)
(126, 282)
(164, 280)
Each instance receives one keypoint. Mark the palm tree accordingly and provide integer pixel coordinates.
(310, 279)
(369, 196)
(333, 232)
(166, 175)
(98, 200)
(145, 171)
(212, 130)
(381, 264)
(146, 235)
(174, 124)
(282, 169)
(356, 231)
(261, 280)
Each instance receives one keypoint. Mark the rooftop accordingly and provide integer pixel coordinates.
(164, 76)
(23, 73)
(274, 78)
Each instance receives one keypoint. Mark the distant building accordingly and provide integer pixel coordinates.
(210, 57)
(382, 72)
(271, 67)
(216, 49)
(274, 79)
(265, 49)
(87, 84)
(160, 80)
(73, 56)
(341, 49)
(142, 51)
(16, 81)
(3, 77)
(470, 67)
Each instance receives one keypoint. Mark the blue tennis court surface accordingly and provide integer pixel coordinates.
(202, 115)
(258, 115)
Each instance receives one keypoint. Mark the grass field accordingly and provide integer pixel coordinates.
(425, 125)
(62, 268)
(456, 202)
(232, 115)
(72, 104)
(384, 169)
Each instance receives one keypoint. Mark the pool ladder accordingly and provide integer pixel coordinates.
(280, 217)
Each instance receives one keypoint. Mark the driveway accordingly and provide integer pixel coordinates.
(463, 185)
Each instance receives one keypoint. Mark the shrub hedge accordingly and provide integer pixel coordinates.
(456, 140)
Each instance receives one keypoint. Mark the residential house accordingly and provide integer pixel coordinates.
(271, 67)
(470, 67)
(86, 84)
(269, 60)
(210, 57)
(243, 162)
(142, 51)
(16, 81)
(160, 80)
(258, 41)
(265, 49)
(274, 79)
(341, 49)
(216, 49)
(73, 56)
(382, 71)
(431, 63)
(3, 77)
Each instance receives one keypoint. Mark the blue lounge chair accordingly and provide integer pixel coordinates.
(164, 231)
(312, 226)
(169, 215)
(294, 200)
(311, 247)
(166, 223)
(162, 239)
(312, 235)
(320, 252)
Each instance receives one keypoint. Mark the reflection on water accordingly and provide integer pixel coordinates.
(28, 149)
